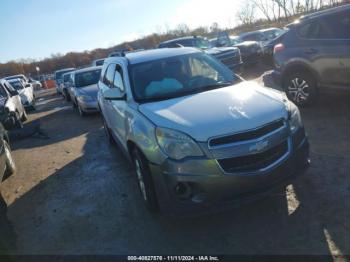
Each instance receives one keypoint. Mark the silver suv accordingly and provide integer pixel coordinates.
(198, 135)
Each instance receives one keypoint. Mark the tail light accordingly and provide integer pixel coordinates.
(278, 48)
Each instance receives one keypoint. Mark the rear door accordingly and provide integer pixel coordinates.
(339, 32)
(325, 44)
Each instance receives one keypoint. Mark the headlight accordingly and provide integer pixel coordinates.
(176, 145)
(85, 98)
(294, 117)
(23, 98)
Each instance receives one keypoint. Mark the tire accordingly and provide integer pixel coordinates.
(108, 132)
(18, 121)
(81, 111)
(67, 96)
(24, 116)
(10, 163)
(300, 88)
(145, 182)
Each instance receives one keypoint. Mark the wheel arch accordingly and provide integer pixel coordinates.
(303, 67)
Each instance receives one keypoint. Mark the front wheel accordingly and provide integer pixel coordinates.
(108, 131)
(81, 111)
(300, 87)
(24, 116)
(10, 163)
(144, 180)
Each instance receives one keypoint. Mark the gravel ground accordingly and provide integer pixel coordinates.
(75, 194)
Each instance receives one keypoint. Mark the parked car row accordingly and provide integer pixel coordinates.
(199, 136)
(80, 87)
(230, 56)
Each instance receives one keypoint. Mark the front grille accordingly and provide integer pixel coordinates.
(228, 58)
(254, 162)
(298, 137)
(253, 134)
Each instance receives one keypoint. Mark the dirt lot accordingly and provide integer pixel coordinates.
(75, 194)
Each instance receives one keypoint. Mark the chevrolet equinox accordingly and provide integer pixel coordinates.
(199, 137)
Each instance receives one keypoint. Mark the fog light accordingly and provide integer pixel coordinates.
(183, 190)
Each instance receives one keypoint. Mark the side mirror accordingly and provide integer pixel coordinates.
(27, 85)
(113, 94)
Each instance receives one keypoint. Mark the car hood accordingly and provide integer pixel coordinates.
(90, 90)
(247, 44)
(218, 112)
(219, 50)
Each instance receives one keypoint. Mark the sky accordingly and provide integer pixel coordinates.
(38, 28)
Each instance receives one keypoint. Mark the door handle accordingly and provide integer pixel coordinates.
(310, 51)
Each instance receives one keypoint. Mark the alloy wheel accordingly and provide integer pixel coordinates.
(140, 179)
(298, 90)
(9, 156)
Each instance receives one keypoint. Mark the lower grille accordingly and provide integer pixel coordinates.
(254, 162)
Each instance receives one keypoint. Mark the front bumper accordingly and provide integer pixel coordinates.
(28, 103)
(251, 58)
(277, 77)
(89, 106)
(213, 190)
(236, 68)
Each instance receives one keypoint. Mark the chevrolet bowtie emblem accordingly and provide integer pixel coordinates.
(259, 146)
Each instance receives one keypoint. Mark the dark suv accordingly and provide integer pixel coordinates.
(313, 54)
(229, 56)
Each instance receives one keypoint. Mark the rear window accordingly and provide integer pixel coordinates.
(99, 62)
(87, 78)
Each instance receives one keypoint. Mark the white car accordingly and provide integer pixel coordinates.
(25, 91)
(10, 102)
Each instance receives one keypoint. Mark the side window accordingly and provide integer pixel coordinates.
(3, 92)
(336, 26)
(201, 68)
(118, 79)
(310, 30)
(109, 75)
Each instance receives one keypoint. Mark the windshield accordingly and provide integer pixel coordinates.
(203, 43)
(16, 85)
(178, 76)
(66, 78)
(235, 40)
(58, 75)
(272, 33)
(87, 78)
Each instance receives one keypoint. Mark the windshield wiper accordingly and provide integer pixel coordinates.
(214, 86)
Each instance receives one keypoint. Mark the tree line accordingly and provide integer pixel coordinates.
(254, 14)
